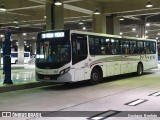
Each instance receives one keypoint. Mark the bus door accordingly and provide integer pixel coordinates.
(79, 55)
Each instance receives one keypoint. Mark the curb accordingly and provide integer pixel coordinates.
(7, 88)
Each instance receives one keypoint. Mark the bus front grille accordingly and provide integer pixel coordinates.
(50, 77)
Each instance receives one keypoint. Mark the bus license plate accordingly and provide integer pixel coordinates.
(46, 78)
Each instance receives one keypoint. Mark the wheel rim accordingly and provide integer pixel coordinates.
(95, 76)
(140, 69)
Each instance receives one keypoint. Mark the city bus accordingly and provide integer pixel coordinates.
(70, 56)
(14, 57)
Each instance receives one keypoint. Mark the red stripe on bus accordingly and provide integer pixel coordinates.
(95, 64)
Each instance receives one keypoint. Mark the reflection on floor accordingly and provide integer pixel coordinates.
(23, 74)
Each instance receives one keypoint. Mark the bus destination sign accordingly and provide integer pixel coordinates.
(52, 35)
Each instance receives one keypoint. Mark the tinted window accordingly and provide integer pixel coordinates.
(115, 46)
(26, 54)
(152, 47)
(14, 54)
(140, 47)
(124, 46)
(133, 47)
(146, 47)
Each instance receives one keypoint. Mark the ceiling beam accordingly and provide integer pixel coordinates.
(24, 8)
(69, 1)
(130, 7)
(77, 9)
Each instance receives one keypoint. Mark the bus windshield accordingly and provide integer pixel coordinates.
(53, 51)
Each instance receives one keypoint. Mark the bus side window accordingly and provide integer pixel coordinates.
(147, 47)
(140, 47)
(114, 46)
(91, 45)
(133, 47)
(153, 47)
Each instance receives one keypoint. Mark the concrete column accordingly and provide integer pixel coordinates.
(55, 16)
(116, 26)
(106, 24)
(99, 23)
(20, 49)
(141, 31)
(34, 47)
(112, 25)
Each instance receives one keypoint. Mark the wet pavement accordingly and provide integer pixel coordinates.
(20, 74)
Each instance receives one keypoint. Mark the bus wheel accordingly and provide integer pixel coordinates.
(139, 69)
(96, 77)
(16, 62)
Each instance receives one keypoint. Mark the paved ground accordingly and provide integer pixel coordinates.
(20, 74)
(110, 96)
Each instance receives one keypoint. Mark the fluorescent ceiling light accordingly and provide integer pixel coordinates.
(57, 2)
(148, 24)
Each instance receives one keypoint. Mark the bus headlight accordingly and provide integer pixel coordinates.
(67, 69)
(62, 72)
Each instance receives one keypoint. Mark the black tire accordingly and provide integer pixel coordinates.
(96, 77)
(16, 62)
(67, 84)
(140, 69)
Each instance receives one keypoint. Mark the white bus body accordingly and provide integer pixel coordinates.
(14, 57)
(111, 55)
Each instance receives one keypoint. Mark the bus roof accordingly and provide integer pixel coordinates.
(98, 34)
(109, 35)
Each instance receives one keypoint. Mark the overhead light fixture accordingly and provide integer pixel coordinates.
(17, 26)
(58, 2)
(24, 34)
(81, 22)
(15, 20)
(134, 29)
(1, 36)
(121, 33)
(96, 12)
(149, 4)
(121, 18)
(148, 24)
(156, 38)
(84, 28)
(45, 17)
(2, 7)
